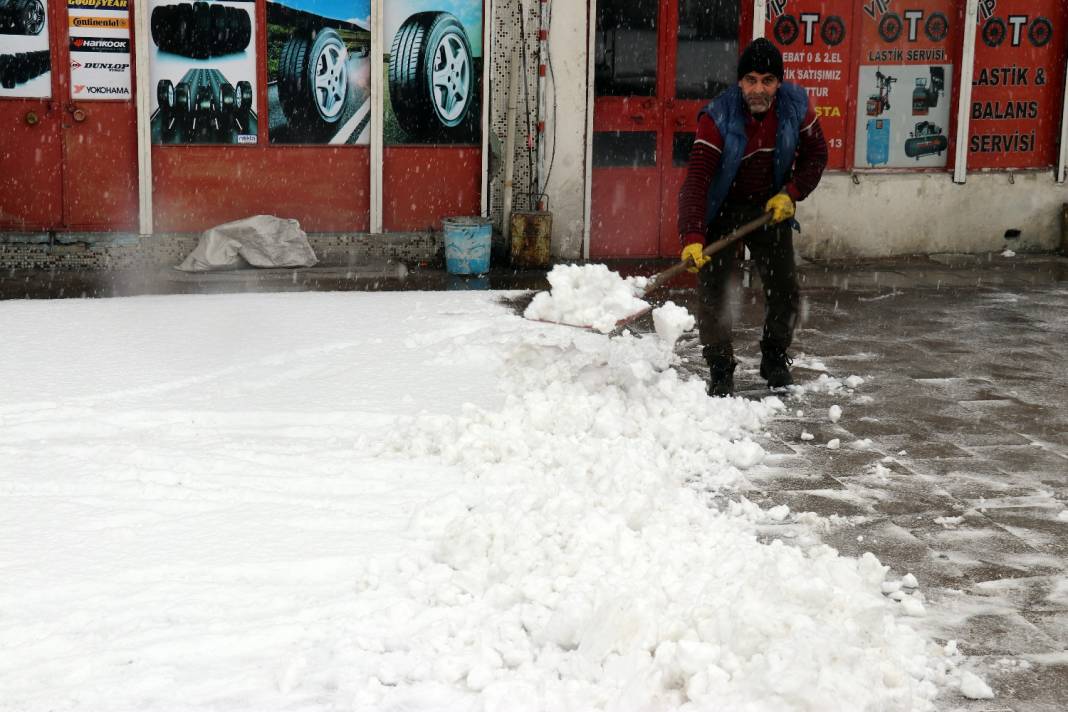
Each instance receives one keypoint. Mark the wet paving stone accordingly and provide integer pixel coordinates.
(964, 404)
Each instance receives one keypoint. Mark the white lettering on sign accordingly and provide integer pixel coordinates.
(810, 20)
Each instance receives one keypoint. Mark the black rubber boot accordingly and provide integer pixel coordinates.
(775, 365)
(721, 365)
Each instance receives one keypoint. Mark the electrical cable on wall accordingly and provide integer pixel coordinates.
(552, 76)
(526, 101)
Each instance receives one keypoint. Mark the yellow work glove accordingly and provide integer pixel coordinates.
(692, 253)
(781, 207)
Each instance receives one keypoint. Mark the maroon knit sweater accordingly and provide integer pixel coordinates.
(756, 176)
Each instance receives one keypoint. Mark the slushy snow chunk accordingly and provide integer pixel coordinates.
(588, 295)
(671, 321)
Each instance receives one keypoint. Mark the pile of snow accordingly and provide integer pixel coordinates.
(404, 501)
(974, 688)
(671, 321)
(588, 295)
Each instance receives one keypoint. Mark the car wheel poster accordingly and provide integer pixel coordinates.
(905, 84)
(319, 71)
(203, 59)
(25, 66)
(433, 71)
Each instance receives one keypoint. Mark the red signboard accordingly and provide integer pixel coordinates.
(1019, 76)
(815, 38)
(904, 83)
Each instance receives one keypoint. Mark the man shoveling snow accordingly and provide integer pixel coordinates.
(759, 147)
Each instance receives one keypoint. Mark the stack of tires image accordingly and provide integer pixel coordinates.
(204, 101)
(431, 75)
(313, 80)
(21, 17)
(200, 30)
(22, 67)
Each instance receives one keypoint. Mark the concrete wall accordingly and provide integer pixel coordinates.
(899, 214)
(568, 40)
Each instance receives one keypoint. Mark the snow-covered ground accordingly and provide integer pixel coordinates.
(403, 501)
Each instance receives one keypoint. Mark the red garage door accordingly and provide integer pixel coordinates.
(67, 120)
(657, 63)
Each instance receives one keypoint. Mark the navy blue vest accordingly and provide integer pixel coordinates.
(728, 112)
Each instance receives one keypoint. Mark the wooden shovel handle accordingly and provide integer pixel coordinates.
(719, 245)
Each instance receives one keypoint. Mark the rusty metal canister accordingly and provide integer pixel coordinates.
(531, 234)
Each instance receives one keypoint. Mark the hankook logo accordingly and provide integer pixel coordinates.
(99, 44)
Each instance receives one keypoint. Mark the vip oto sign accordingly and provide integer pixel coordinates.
(99, 49)
(1016, 90)
(815, 39)
(904, 83)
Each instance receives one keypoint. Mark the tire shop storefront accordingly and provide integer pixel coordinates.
(913, 100)
(945, 118)
(248, 107)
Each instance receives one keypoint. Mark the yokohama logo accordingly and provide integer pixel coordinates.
(79, 88)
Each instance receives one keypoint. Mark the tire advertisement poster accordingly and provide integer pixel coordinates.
(99, 49)
(319, 71)
(905, 83)
(816, 42)
(25, 65)
(433, 71)
(203, 59)
(1017, 84)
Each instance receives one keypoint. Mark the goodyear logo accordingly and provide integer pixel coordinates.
(100, 23)
(98, 4)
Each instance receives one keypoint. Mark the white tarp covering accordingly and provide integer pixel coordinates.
(260, 241)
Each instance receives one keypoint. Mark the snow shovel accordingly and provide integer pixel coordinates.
(662, 278)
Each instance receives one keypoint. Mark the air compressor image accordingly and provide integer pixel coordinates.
(878, 142)
(894, 133)
(926, 139)
(925, 95)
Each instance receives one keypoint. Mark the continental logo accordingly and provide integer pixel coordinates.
(98, 91)
(98, 5)
(100, 23)
(100, 44)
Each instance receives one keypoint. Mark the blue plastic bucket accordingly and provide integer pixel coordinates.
(467, 245)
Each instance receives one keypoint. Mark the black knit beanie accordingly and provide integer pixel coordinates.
(762, 57)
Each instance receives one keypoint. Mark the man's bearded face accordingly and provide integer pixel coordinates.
(759, 91)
